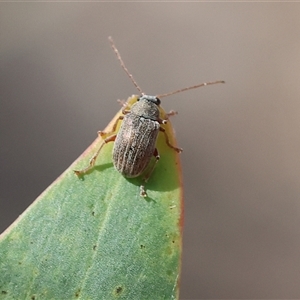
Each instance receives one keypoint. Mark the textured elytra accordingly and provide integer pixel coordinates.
(135, 144)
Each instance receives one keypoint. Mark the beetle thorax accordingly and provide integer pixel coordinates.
(145, 108)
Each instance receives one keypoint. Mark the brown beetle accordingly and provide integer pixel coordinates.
(135, 142)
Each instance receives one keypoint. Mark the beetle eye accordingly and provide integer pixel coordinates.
(157, 101)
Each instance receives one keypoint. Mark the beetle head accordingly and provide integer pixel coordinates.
(149, 98)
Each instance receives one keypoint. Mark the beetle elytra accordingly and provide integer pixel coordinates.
(135, 141)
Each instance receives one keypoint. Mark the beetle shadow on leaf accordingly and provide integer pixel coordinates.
(102, 167)
(160, 181)
(138, 181)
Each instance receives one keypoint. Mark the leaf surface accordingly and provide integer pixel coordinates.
(96, 237)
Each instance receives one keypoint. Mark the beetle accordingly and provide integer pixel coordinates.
(135, 141)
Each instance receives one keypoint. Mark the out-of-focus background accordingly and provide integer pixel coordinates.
(241, 162)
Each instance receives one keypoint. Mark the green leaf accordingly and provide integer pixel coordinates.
(96, 237)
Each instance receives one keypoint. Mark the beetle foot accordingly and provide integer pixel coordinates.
(179, 150)
(78, 173)
(122, 102)
(142, 191)
(171, 113)
(102, 133)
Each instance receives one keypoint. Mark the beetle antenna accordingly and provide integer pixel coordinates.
(123, 65)
(190, 88)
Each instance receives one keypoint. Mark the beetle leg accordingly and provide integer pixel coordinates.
(168, 142)
(171, 113)
(105, 134)
(125, 105)
(142, 191)
(168, 115)
(122, 102)
(94, 157)
(147, 176)
(125, 111)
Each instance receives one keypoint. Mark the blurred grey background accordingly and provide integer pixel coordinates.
(241, 162)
